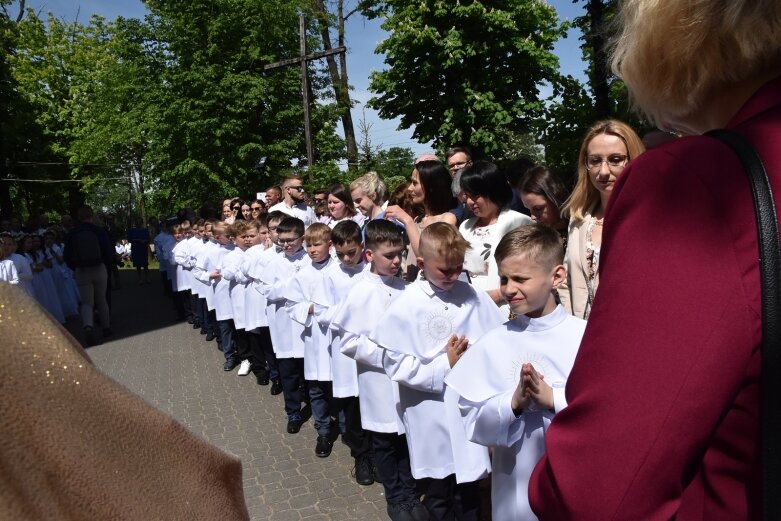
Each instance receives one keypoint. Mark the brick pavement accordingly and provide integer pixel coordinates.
(174, 369)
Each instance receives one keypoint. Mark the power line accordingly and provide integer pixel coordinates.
(98, 180)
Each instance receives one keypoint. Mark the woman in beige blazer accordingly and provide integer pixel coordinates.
(608, 146)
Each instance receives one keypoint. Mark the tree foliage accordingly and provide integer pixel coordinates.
(178, 103)
(467, 71)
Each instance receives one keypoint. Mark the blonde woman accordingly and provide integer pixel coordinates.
(663, 412)
(607, 148)
(368, 194)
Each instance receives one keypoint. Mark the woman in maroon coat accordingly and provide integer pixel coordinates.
(663, 415)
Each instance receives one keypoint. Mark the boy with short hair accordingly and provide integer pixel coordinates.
(418, 354)
(301, 309)
(511, 382)
(286, 334)
(208, 271)
(356, 317)
(180, 265)
(260, 314)
(337, 281)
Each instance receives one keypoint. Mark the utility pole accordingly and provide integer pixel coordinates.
(303, 59)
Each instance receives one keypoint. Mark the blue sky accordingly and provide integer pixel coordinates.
(362, 38)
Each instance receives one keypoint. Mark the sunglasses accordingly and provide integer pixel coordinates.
(297, 188)
(257, 207)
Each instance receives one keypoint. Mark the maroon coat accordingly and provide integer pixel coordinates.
(663, 415)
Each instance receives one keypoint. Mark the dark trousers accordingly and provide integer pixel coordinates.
(227, 338)
(447, 500)
(182, 305)
(353, 434)
(265, 352)
(167, 291)
(320, 394)
(391, 459)
(243, 340)
(291, 376)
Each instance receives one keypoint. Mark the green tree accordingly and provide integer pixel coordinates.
(467, 71)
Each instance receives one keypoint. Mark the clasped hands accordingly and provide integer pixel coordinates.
(531, 388)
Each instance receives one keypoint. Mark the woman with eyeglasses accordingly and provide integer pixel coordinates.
(257, 208)
(607, 148)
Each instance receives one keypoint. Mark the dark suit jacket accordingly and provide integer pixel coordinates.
(663, 415)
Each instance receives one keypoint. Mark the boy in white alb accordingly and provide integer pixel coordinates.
(357, 316)
(209, 267)
(180, 265)
(201, 244)
(511, 382)
(300, 307)
(260, 314)
(448, 314)
(21, 263)
(285, 333)
(337, 281)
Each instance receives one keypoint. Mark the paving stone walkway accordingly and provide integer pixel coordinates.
(173, 368)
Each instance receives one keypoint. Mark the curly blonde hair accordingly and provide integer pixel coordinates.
(672, 54)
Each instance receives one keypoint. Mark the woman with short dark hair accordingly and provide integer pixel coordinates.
(488, 195)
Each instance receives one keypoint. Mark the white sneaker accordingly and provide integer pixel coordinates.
(244, 368)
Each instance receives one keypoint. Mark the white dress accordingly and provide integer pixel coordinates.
(414, 333)
(356, 317)
(485, 379)
(479, 260)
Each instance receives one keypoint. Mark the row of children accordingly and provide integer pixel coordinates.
(423, 376)
(36, 263)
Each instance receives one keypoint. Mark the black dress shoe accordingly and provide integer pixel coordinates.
(364, 470)
(210, 336)
(196, 325)
(229, 365)
(323, 447)
(276, 387)
(203, 331)
(262, 378)
(293, 426)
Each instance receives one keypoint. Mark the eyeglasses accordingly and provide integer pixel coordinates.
(237, 207)
(283, 242)
(256, 208)
(613, 161)
(297, 188)
(456, 166)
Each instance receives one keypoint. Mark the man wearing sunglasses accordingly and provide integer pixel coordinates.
(294, 201)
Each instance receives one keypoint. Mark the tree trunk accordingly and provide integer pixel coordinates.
(599, 83)
(339, 78)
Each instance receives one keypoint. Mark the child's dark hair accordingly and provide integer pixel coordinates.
(346, 231)
(540, 243)
(380, 231)
(276, 216)
(291, 224)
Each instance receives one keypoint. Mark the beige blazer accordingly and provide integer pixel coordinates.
(574, 295)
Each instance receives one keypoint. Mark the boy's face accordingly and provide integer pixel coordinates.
(385, 258)
(441, 271)
(349, 253)
(178, 236)
(318, 250)
(262, 235)
(527, 286)
(272, 231)
(290, 242)
(249, 238)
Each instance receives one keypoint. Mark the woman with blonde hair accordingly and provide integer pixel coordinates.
(368, 194)
(607, 148)
(663, 413)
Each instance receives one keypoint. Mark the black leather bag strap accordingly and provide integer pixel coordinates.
(770, 268)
